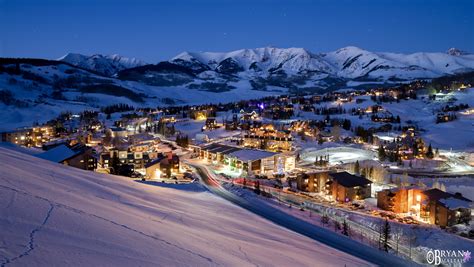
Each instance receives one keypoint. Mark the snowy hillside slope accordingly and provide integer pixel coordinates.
(54, 215)
(41, 92)
(107, 65)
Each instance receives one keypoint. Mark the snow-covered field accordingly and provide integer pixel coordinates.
(337, 155)
(53, 215)
(457, 135)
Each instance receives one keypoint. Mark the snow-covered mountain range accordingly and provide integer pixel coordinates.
(106, 65)
(285, 67)
(347, 63)
(35, 90)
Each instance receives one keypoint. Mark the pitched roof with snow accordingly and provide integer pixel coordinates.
(349, 180)
(251, 154)
(155, 161)
(237, 152)
(436, 194)
(455, 203)
(58, 154)
(451, 201)
(220, 148)
(63, 152)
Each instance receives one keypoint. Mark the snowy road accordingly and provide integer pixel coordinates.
(300, 226)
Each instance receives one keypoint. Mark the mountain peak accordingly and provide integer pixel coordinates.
(351, 48)
(456, 52)
(72, 57)
(107, 65)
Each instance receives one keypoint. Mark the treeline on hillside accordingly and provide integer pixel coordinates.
(452, 81)
(112, 89)
(117, 108)
(7, 98)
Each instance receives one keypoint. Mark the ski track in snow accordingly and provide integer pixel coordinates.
(31, 244)
(247, 257)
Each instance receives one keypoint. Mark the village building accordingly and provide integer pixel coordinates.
(346, 187)
(163, 167)
(233, 124)
(248, 115)
(119, 132)
(132, 161)
(445, 209)
(339, 186)
(408, 145)
(30, 137)
(78, 156)
(201, 113)
(433, 206)
(267, 138)
(211, 124)
(313, 182)
(400, 200)
(248, 161)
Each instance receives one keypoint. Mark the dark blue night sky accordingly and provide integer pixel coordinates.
(158, 30)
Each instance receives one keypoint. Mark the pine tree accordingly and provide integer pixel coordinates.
(325, 219)
(429, 153)
(345, 228)
(114, 163)
(381, 153)
(257, 188)
(386, 235)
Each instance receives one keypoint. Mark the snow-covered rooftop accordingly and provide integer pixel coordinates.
(251, 154)
(455, 203)
(57, 154)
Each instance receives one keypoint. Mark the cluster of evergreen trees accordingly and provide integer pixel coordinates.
(182, 140)
(329, 111)
(7, 98)
(345, 229)
(459, 107)
(365, 134)
(322, 161)
(163, 128)
(116, 108)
